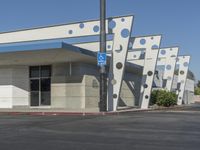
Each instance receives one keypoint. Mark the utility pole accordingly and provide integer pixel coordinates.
(103, 73)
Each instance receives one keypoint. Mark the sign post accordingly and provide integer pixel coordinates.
(102, 58)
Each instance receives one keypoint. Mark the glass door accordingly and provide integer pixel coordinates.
(45, 85)
(34, 92)
(40, 85)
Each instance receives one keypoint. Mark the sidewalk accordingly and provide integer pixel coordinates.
(54, 112)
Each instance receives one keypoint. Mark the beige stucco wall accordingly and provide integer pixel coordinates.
(6, 87)
(73, 86)
(80, 88)
(67, 90)
(20, 82)
(14, 86)
(129, 95)
(91, 91)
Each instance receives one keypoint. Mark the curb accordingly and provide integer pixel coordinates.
(59, 113)
(91, 113)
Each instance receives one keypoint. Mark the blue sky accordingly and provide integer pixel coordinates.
(177, 20)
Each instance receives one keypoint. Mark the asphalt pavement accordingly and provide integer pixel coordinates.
(154, 130)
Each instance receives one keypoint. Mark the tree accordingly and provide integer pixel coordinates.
(163, 98)
(197, 91)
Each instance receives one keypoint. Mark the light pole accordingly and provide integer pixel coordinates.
(103, 73)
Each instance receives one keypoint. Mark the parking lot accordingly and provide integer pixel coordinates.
(158, 130)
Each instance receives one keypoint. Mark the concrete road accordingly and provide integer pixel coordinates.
(173, 130)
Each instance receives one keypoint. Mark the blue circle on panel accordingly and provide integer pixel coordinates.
(108, 46)
(163, 52)
(125, 33)
(96, 28)
(168, 67)
(154, 47)
(112, 24)
(81, 25)
(142, 41)
(122, 19)
(70, 31)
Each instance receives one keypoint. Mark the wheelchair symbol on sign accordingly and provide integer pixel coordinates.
(101, 59)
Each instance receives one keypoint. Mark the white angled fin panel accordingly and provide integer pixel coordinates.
(122, 33)
(151, 45)
(85, 28)
(167, 57)
(183, 62)
(147, 79)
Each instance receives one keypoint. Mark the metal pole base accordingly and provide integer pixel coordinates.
(103, 92)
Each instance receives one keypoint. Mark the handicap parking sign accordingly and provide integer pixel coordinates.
(101, 59)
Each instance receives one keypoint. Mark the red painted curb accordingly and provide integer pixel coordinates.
(60, 113)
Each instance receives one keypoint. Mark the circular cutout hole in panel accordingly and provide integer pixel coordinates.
(182, 72)
(168, 67)
(163, 52)
(119, 65)
(114, 95)
(109, 47)
(81, 25)
(155, 46)
(145, 86)
(70, 31)
(111, 24)
(149, 73)
(142, 41)
(113, 81)
(125, 33)
(96, 28)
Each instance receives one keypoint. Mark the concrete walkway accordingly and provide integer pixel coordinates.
(48, 111)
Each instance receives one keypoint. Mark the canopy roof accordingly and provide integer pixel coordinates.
(49, 52)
